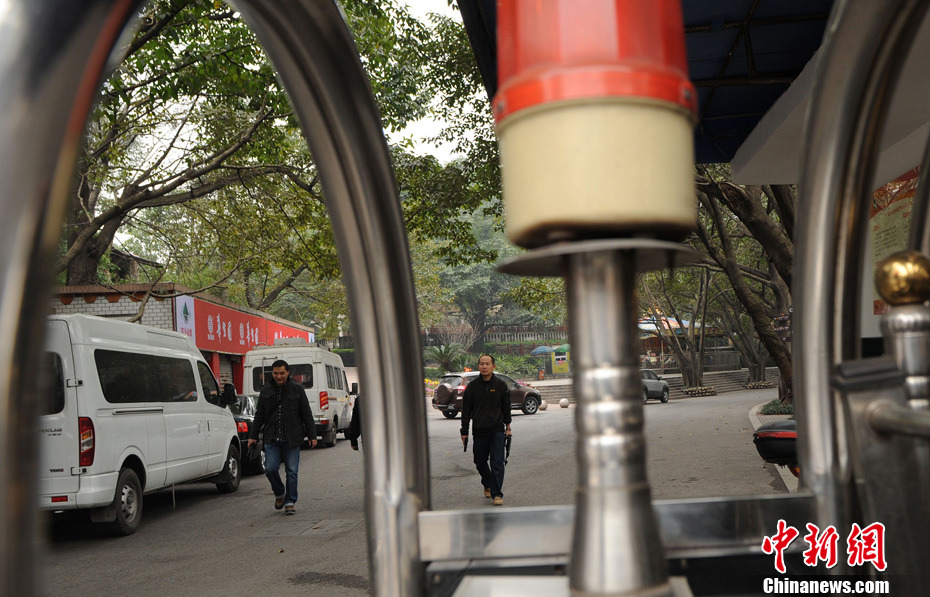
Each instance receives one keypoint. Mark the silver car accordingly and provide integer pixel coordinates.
(653, 386)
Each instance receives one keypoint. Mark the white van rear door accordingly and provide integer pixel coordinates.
(58, 420)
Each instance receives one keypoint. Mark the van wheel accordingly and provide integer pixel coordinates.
(128, 503)
(232, 473)
(450, 414)
(530, 405)
(331, 437)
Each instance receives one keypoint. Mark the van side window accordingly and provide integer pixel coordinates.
(52, 386)
(134, 377)
(210, 387)
(339, 375)
(329, 377)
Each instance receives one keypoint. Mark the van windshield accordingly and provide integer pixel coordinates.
(302, 374)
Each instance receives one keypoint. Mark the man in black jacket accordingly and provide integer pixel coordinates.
(284, 418)
(486, 403)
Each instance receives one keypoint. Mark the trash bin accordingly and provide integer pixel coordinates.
(542, 374)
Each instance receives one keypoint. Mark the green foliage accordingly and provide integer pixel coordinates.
(451, 357)
(433, 373)
(194, 154)
(347, 355)
(777, 407)
(516, 365)
(543, 297)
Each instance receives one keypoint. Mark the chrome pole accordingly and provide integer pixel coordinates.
(862, 52)
(316, 58)
(616, 547)
(52, 56)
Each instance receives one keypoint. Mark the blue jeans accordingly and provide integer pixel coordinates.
(490, 447)
(274, 454)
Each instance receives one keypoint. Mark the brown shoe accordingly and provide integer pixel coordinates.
(487, 492)
(278, 502)
(498, 501)
(289, 509)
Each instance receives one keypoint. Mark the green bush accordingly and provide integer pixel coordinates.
(516, 366)
(348, 356)
(433, 373)
(776, 407)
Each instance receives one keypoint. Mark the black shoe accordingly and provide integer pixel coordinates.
(278, 502)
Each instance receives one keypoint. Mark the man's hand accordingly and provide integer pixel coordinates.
(507, 431)
(312, 443)
(464, 440)
(250, 444)
(355, 447)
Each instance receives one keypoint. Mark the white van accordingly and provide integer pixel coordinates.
(130, 410)
(319, 371)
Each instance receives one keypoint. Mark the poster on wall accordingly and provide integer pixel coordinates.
(184, 316)
(890, 221)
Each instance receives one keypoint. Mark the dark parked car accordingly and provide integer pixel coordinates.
(448, 396)
(653, 386)
(243, 411)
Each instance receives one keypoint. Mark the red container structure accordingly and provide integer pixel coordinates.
(594, 111)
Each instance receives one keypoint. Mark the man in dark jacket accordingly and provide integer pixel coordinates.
(486, 403)
(284, 418)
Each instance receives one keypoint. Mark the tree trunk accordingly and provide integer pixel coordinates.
(756, 371)
(82, 270)
(724, 255)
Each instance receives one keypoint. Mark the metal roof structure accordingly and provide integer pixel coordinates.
(742, 56)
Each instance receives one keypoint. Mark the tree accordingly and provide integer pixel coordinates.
(737, 325)
(743, 228)
(478, 288)
(453, 330)
(677, 303)
(194, 160)
(195, 110)
(449, 356)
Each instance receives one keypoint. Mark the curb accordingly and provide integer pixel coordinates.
(790, 481)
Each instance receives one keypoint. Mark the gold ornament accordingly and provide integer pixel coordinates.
(903, 278)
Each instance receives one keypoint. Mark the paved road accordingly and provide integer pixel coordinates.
(212, 544)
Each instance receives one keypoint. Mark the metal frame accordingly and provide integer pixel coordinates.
(52, 57)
